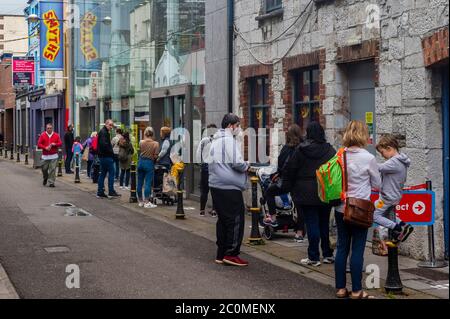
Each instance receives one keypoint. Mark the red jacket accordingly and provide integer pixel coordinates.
(45, 141)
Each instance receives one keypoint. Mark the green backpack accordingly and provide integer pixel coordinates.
(330, 180)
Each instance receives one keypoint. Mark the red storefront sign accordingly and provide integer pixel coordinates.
(23, 71)
(415, 207)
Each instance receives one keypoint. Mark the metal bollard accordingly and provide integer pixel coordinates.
(26, 154)
(393, 282)
(18, 153)
(60, 163)
(255, 235)
(133, 197)
(77, 168)
(6, 149)
(180, 205)
(432, 263)
(1, 148)
(11, 157)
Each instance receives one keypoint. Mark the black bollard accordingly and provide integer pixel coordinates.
(11, 156)
(1, 148)
(26, 154)
(180, 205)
(77, 168)
(60, 163)
(393, 282)
(18, 153)
(255, 235)
(6, 149)
(133, 197)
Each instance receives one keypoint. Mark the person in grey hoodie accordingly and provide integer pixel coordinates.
(393, 174)
(227, 181)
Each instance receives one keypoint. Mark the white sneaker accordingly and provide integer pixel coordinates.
(141, 204)
(126, 188)
(309, 262)
(150, 205)
(122, 188)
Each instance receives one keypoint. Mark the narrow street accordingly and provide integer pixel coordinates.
(121, 254)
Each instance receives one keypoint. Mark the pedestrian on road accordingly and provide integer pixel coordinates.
(106, 158)
(302, 166)
(87, 145)
(68, 143)
(202, 157)
(115, 144)
(227, 181)
(166, 146)
(49, 142)
(126, 152)
(77, 149)
(293, 139)
(146, 168)
(393, 176)
(363, 175)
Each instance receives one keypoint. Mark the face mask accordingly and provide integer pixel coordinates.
(236, 131)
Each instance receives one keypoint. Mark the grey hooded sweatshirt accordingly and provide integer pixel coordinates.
(227, 168)
(393, 175)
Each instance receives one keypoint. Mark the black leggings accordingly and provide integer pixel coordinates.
(300, 218)
(272, 191)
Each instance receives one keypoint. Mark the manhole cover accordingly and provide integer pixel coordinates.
(77, 212)
(63, 205)
(57, 249)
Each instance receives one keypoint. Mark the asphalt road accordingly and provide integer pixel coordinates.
(120, 253)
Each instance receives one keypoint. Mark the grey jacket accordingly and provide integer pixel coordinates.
(227, 168)
(393, 175)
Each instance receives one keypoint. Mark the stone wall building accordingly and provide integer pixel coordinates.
(382, 62)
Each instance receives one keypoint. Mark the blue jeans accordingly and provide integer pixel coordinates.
(106, 167)
(145, 173)
(317, 220)
(356, 237)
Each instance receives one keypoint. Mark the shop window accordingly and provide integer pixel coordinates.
(306, 97)
(272, 5)
(259, 108)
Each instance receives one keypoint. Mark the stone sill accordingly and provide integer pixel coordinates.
(273, 14)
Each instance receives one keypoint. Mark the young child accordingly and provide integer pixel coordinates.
(393, 173)
(77, 148)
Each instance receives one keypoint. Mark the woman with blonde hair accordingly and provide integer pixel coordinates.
(146, 166)
(363, 175)
(164, 152)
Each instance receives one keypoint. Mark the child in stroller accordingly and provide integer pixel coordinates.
(285, 210)
(158, 190)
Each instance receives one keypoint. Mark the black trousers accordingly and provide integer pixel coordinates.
(204, 189)
(272, 191)
(230, 208)
(67, 164)
(300, 217)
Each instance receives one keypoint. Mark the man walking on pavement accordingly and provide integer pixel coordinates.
(68, 143)
(49, 142)
(227, 180)
(106, 157)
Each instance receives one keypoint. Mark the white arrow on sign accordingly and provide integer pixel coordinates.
(419, 208)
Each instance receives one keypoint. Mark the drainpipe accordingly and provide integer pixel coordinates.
(230, 53)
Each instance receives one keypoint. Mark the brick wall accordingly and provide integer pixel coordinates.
(435, 48)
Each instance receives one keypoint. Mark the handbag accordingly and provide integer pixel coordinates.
(357, 212)
(86, 154)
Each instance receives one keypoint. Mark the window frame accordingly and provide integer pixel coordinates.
(297, 102)
(273, 6)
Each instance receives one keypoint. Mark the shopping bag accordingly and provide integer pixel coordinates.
(379, 238)
(86, 154)
(169, 184)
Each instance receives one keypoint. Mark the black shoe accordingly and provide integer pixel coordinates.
(51, 185)
(102, 195)
(70, 172)
(115, 194)
(406, 231)
(44, 182)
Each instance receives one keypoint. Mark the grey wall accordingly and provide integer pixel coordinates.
(216, 60)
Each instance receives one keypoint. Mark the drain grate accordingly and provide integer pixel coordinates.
(63, 205)
(57, 249)
(77, 212)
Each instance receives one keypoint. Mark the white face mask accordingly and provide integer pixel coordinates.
(236, 131)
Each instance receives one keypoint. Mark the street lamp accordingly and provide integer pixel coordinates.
(33, 18)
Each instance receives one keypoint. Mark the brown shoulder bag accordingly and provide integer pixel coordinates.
(358, 212)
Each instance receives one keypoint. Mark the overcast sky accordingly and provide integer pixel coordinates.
(12, 6)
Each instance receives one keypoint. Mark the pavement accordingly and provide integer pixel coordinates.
(159, 234)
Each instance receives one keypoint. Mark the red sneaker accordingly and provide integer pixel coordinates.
(235, 261)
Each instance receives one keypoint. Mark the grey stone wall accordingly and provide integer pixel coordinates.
(407, 95)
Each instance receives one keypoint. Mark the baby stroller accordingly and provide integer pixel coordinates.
(158, 193)
(285, 211)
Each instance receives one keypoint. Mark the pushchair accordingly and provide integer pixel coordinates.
(158, 189)
(285, 210)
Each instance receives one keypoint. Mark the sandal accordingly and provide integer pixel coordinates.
(342, 293)
(362, 295)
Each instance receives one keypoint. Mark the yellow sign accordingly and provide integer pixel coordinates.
(53, 46)
(369, 117)
(88, 22)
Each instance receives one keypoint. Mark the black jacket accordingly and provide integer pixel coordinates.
(300, 172)
(285, 153)
(68, 141)
(104, 148)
